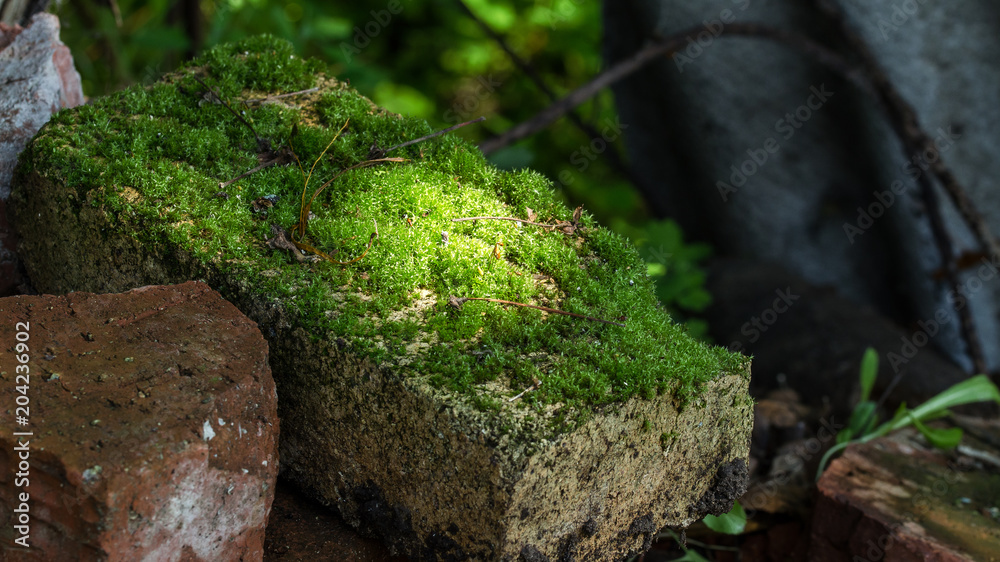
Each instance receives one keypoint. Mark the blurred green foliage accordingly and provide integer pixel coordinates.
(675, 266)
(428, 59)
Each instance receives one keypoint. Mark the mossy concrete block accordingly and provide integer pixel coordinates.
(481, 430)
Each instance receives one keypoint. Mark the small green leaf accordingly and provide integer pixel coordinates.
(940, 438)
(977, 389)
(731, 523)
(861, 423)
(869, 371)
(656, 269)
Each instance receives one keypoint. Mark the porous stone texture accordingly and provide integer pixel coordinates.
(430, 470)
(154, 427)
(37, 78)
(438, 480)
(897, 499)
(741, 150)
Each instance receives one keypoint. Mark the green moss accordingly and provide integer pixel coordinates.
(667, 440)
(154, 158)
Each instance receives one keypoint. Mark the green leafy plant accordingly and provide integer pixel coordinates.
(675, 266)
(861, 427)
(731, 523)
(863, 417)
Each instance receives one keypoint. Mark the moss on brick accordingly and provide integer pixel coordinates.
(158, 155)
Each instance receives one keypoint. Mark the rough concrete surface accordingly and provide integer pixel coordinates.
(153, 421)
(431, 471)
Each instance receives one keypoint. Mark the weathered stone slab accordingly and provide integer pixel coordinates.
(421, 422)
(37, 78)
(153, 427)
(896, 498)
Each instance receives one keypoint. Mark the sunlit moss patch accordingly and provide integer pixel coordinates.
(155, 160)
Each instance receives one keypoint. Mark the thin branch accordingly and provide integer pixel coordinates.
(905, 123)
(457, 302)
(225, 184)
(262, 143)
(654, 51)
(283, 156)
(279, 96)
(525, 67)
(309, 248)
(117, 13)
(532, 74)
(535, 386)
(376, 153)
(505, 219)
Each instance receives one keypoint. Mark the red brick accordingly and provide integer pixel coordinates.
(167, 390)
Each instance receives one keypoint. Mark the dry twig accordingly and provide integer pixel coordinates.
(280, 96)
(376, 153)
(532, 74)
(457, 302)
(536, 384)
(568, 227)
(664, 47)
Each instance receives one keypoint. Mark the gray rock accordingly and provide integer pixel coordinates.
(701, 123)
(37, 78)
